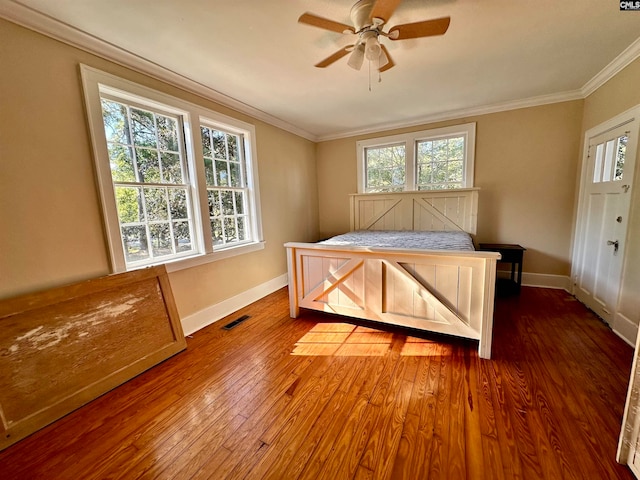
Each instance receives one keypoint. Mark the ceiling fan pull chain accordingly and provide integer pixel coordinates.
(369, 62)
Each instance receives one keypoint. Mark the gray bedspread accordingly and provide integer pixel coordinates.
(450, 240)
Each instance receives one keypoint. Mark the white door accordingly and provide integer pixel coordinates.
(603, 216)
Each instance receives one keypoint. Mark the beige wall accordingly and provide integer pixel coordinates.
(615, 97)
(52, 230)
(525, 164)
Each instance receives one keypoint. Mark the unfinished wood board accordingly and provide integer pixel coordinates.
(61, 348)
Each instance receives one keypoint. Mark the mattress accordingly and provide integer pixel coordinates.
(441, 240)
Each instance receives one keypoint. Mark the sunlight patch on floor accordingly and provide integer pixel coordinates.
(343, 339)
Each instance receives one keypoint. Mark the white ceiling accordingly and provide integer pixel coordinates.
(253, 52)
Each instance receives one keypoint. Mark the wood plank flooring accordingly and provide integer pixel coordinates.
(319, 398)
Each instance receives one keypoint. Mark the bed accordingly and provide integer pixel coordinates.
(448, 290)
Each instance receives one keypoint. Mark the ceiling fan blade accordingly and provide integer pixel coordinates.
(428, 28)
(384, 9)
(335, 57)
(390, 62)
(324, 23)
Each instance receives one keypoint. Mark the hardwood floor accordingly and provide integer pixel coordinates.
(314, 398)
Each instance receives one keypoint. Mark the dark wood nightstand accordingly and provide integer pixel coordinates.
(511, 253)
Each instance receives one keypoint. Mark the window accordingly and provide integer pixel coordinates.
(148, 170)
(609, 159)
(226, 186)
(177, 182)
(432, 159)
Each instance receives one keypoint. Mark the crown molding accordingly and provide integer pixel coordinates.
(631, 53)
(612, 69)
(29, 18)
(461, 113)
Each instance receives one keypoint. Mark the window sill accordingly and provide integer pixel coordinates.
(184, 263)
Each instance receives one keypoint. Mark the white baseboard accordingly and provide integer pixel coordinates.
(625, 328)
(541, 280)
(212, 314)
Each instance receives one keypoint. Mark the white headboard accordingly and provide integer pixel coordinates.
(423, 210)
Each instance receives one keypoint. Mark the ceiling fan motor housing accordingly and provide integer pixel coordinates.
(361, 14)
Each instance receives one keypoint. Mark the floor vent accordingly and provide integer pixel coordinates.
(237, 321)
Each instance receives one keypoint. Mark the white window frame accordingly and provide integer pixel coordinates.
(96, 82)
(467, 130)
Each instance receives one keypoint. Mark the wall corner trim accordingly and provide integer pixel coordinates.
(612, 69)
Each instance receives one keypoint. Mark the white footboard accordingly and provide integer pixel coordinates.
(447, 292)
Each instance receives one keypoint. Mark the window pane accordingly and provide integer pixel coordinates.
(148, 165)
(240, 203)
(242, 228)
(222, 176)
(607, 169)
(216, 231)
(206, 142)
(208, 171)
(182, 236)
(230, 234)
(424, 173)
(232, 141)
(219, 144)
(135, 243)
(143, 128)
(129, 204)
(454, 171)
(227, 202)
(214, 203)
(597, 169)
(160, 239)
(156, 203)
(171, 168)
(178, 204)
(620, 155)
(116, 124)
(121, 162)
(456, 148)
(167, 133)
(236, 175)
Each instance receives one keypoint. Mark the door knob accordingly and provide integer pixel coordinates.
(615, 245)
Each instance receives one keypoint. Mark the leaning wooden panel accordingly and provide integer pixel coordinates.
(62, 348)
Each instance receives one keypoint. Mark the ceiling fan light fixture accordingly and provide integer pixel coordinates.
(356, 59)
(372, 48)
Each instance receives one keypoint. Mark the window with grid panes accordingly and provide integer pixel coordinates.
(226, 185)
(146, 157)
(441, 158)
(178, 182)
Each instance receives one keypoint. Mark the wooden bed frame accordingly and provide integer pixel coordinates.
(443, 291)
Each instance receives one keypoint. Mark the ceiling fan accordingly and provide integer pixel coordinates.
(368, 18)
